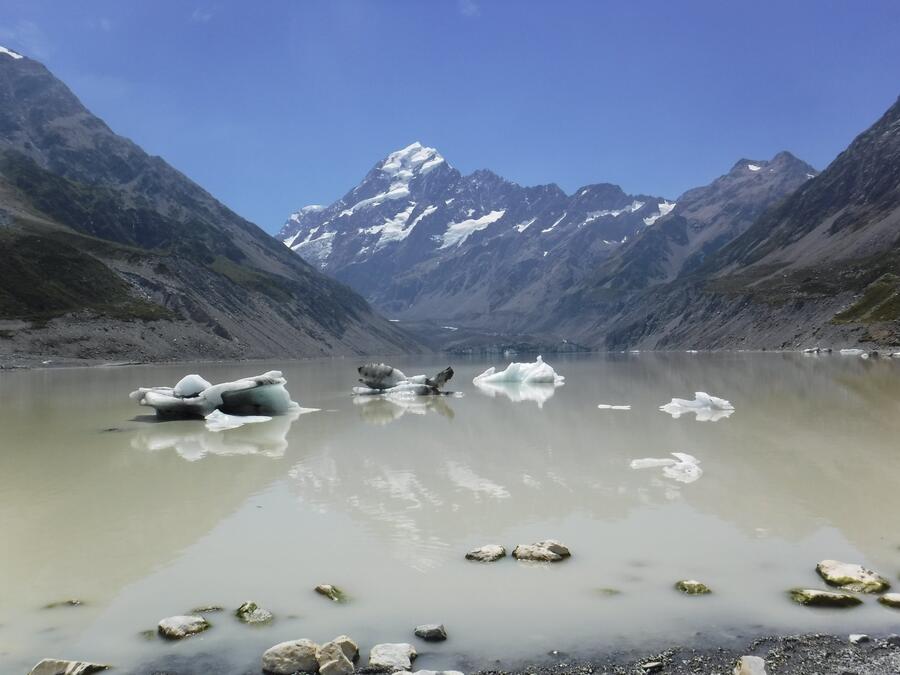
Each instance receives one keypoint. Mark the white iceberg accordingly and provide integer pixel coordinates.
(194, 397)
(517, 392)
(684, 468)
(526, 373)
(707, 408)
(853, 352)
(608, 406)
(381, 379)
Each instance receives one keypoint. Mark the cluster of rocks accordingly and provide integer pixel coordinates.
(338, 657)
(547, 550)
(850, 578)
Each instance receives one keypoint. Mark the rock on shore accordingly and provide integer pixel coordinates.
(60, 667)
(851, 577)
(287, 658)
(816, 598)
(391, 657)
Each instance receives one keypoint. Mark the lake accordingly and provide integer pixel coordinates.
(142, 519)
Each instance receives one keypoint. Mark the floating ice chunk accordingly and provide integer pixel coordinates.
(248, 396)
(707, 408)
(536, 392)
(190, 385)
(219, 421)
(531, 373)
(607, 406)
(684, 468)
(380, 378)
(853, 352)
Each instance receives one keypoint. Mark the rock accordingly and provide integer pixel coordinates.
(893, 640)
(59, 667)
(816, 598)
(890, 600)
(333, 593)
(250, 612)
(488, 553)
(207, 609)
(750, 665)
(349, 647)
(332, 660)
(859, 638)
(287, 658)
(178, 627)
(548, 550)
(652, 666)
(851, 577)
(432, 632)
(74, 602)
(692, 587)
(390, 657)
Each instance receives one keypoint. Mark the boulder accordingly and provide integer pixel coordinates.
(750, 665)
(391, 657)
(488, 553)
(332, 660)
(890, 600)
(816, 598)
(692, 587)
(349, 647)
(431, 632)
(333, 593)
(250, 612)
(287, 658)
(859, 638)
(178, 627)
(60, 667)
(548, 550)
(851, 577)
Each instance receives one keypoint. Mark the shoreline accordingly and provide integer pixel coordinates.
(794, 654)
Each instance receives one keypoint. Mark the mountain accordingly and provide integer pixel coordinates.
(822, 265)
(110, 252)
(422, 241)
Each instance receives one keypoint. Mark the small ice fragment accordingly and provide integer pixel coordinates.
(607, 406)
(219, 421)
(853, 352)
(706, 408)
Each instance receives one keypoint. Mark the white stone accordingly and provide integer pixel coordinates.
(890, 600)
(391, 657)
(60, 667)
(859, 638)
(488, 553)
(287, 658)
(178, 627)
(750, 665)
(332, 660)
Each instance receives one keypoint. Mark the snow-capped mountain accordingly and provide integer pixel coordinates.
(421, 240)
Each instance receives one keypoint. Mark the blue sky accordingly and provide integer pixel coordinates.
(273, 105)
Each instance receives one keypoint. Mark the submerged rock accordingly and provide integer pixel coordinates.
(333, 593)
(851, 577)
(332, 660)
(250, 612)
(207, 609)
(548, 550)
(73, 602)
(890, 600)
(431, 632)
(178, 627)
(287, 658)
(60, 667)
(750, 665)
(488, 553)
(391, 657)
(816, 598)
(692, 587)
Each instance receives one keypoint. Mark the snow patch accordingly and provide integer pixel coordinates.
(754, 167)
(663, 208)
(521, 227)
(457, 233)
(10, 52)
(550, 229)
(315, 249)
(392, 229)
(615, 213)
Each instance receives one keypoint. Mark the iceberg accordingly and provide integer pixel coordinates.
(684, 468)
(706, 408)
(381, 379)
(608, 406)
(194, 397)
(853, 352)
(526, 373)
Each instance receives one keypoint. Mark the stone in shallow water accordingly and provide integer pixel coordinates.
(60, 667)
(890, 600)
(692, 587)
(348, 646)
(548, 550)
(852, 577)
(431, 632)
(750, 665)
(287, 658)
(74, 602)
(391, 657)
(178, 627)
(333, 593)
(250, 612)
(488, 553)
(816, 598)
(332, 660)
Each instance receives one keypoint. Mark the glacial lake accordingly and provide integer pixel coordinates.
(142, 520)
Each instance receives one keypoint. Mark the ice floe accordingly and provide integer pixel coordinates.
(260, 394)
(382, 379)
(684, 468)
(537, 372)
(707, 408)
(607, 406)
(853, 352)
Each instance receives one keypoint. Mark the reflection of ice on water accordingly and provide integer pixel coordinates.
(684, 468)
(385, 409)
(193, 439)
(517, 392)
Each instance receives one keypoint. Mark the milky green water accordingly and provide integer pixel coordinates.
(142, 520)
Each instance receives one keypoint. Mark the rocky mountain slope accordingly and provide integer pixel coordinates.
(112, 253)
(421, 241)
(822, 265)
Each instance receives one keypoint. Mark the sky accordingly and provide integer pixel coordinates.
(274, 105)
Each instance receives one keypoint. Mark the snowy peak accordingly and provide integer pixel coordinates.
(784, 163)
(9, 52)
(415, 159)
